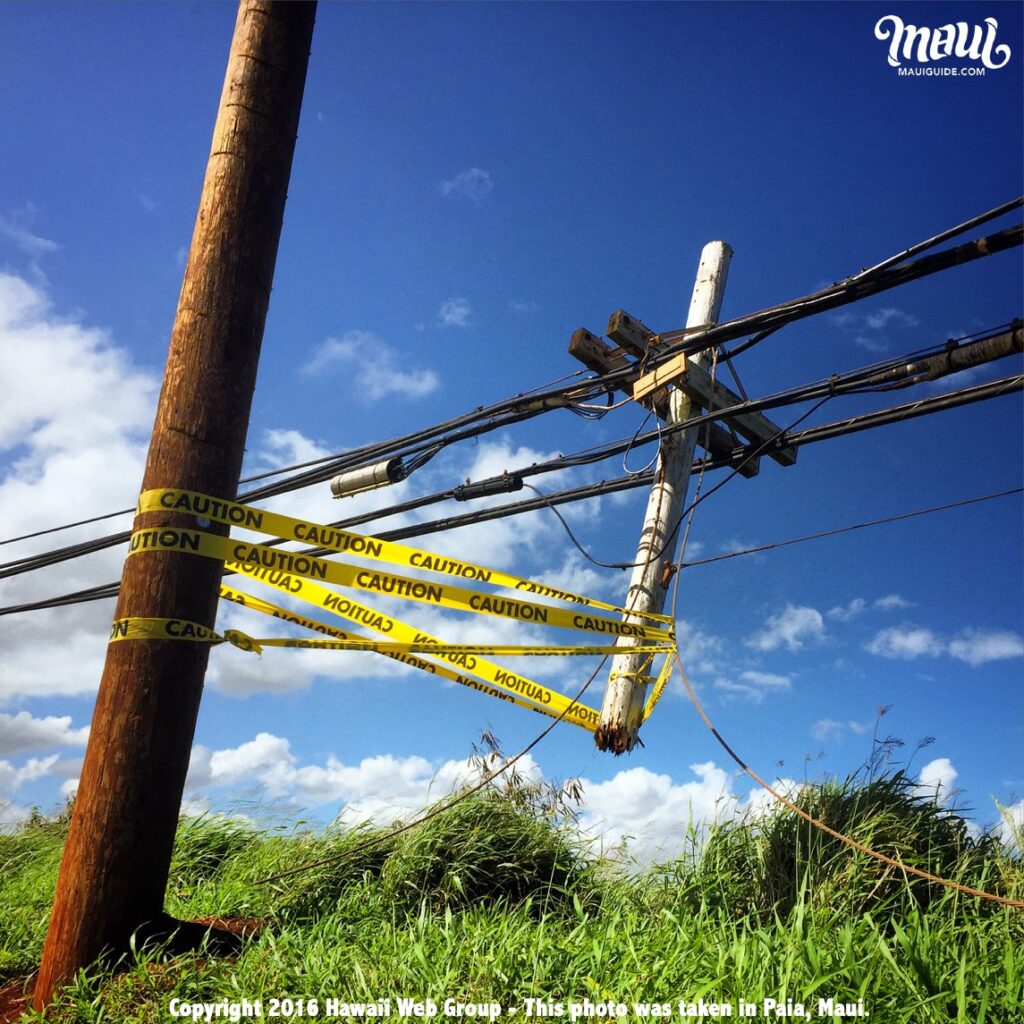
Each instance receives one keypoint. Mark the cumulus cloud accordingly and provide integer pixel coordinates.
(848, 612)
(378, 789)
(454, 313)
(973, 646)
(23, 732)
(794, 626)
(75, 413)
(936, 781)
(855, 608)
(831, 729)
(12, 778)
(826, 729)
(905, 643)
(647, 815)
(978, 646)
(473, 183)
(753, 686)
(652, 817)
(373, 369)
(655, 817)
(876, 321)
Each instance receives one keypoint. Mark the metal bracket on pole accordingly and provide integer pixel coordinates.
(690, 377)
(601, 357)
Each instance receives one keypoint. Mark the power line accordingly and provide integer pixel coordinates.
(849, 529)
(561, 395)
(925, 363)
(853, 289)
(810, 435)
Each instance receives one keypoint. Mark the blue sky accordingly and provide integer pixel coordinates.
(471, 184)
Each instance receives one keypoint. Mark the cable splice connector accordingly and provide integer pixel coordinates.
(496, 485)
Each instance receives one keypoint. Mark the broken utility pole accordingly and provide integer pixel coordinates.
(118, 852)
(623, 705)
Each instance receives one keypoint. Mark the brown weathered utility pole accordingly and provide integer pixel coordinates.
(118, 851)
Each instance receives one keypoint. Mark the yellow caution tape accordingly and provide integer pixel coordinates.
(295, 574)
(659, 686)
(259, 605)
(378, 622)
(145, 628)
(275, 524)
(290, 566)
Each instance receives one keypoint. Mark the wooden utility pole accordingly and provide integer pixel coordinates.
(623, 705)
(118, 852)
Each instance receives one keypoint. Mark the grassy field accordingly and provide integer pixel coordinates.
(497, 901)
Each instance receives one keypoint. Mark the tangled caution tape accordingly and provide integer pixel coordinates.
(297, 574)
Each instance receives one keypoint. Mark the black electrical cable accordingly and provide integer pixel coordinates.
(859, 380)
(811, 435)
(729, 330)
(854, 288)
(843, 293)
(836, 531)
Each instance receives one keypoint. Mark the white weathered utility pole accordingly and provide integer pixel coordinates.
(623, 706)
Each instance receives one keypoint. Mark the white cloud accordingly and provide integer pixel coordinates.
(454, 313)
(905, 643)
(769, 680)
(1011, 826)
(734, 544)
(979, 646)
(973, 646)
(827, 729)
(936, 781)
(373, 369)
(871, 330)
(794, 626)
(474, 183)
(23, 732)
(74, 416)
(288, 448)
(858, 606)
(848, 612)
(876, 321)
(760, 802)
(654, 813)
(16, 226)
(831, 728)
(524, 306)
(12, 779)
(657, 818)
(754, 686)
(378, 789)
(698, 650)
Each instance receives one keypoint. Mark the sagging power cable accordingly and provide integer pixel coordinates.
(740, 455)
(925, 363)
(857, 287)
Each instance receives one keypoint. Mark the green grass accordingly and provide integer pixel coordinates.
(497, 900)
